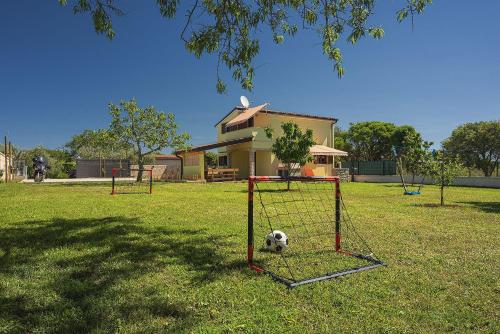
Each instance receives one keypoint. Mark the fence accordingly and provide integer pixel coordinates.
(379, 167)
(99, 167)
(478, 181)
(162, 172)
(19, 170)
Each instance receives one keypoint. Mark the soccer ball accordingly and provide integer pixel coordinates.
(276, 241)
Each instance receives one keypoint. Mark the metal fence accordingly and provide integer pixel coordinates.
(379, 167)
(19, 170)
(100, 167)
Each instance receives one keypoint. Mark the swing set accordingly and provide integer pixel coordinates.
(409, 189)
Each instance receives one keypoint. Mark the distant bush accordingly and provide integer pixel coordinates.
(60, 161)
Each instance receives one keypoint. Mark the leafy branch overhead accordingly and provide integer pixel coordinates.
(229, 28)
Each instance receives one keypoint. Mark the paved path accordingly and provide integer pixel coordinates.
(81, 180)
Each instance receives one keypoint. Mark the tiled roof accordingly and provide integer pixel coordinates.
(276, 112)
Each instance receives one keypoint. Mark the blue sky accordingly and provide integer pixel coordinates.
(57, 75)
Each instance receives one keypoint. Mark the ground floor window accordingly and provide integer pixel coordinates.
(323, 159)
(222, 160)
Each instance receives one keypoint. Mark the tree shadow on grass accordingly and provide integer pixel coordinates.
(397, 185)
(435, 205)
(81, 275)
(490, 207)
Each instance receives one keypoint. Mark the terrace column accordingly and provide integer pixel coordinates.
(251, 162)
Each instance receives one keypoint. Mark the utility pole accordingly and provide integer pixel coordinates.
(10, 161)
(442, 180)
(6, 170)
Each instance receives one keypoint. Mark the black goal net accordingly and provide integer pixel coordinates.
(132, 181)
(299, 231)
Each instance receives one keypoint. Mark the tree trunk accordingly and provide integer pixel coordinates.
(140, 163)
(442, 194)
(289, 172)
(442, 182)
(139, 172)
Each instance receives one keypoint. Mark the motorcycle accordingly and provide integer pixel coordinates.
(40, 168)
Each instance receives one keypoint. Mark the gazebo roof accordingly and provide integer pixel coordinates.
(325, 150)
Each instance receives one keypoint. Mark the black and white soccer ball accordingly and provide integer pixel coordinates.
(276, 241)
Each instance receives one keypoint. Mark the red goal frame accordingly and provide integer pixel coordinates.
(252, 180)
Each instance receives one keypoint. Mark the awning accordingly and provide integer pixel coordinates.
(325, 150)
(215, 145)
(247, 114)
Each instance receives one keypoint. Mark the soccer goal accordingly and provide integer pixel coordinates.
(124, 181)
(303, 234)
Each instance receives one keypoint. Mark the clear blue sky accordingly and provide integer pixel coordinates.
(57, 75)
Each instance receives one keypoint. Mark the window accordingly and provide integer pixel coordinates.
(323, 159)
(247, 124)
(222, 160)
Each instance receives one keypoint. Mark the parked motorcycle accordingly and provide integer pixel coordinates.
(40, 168)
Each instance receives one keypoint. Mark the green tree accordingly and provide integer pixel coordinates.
(444, 169)
(211, 159)
(292, 147)
(230, 29)
(60, 161)
(146, 129)
(370, 140)
(477, 145)
(410, 150)
(341, 142)
(102, 144)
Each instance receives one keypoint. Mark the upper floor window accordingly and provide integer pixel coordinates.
(247, 124)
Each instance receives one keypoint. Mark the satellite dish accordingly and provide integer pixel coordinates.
(244, 101)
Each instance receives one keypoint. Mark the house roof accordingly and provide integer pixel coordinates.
(276, 112)
(325, 150)
(166, 157)
(245, 115)
(215, 145)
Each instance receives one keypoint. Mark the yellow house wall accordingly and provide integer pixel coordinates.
(239, 159)
(264, 163)
(194, 172)
(322, 129)
(267, 164)
(320, 169)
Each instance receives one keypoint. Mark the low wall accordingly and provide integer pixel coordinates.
(160, 172)
(465, 181)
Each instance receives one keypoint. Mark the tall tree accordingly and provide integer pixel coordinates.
(477, 145)
(146, 129)
(230, 29)
(340, 139)
(102, 144)
(293, 147)
(370, 140)
(410, 150)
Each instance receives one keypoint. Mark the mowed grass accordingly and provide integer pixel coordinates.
(74, 259)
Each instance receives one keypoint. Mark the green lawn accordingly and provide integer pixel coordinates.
(74, 259)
